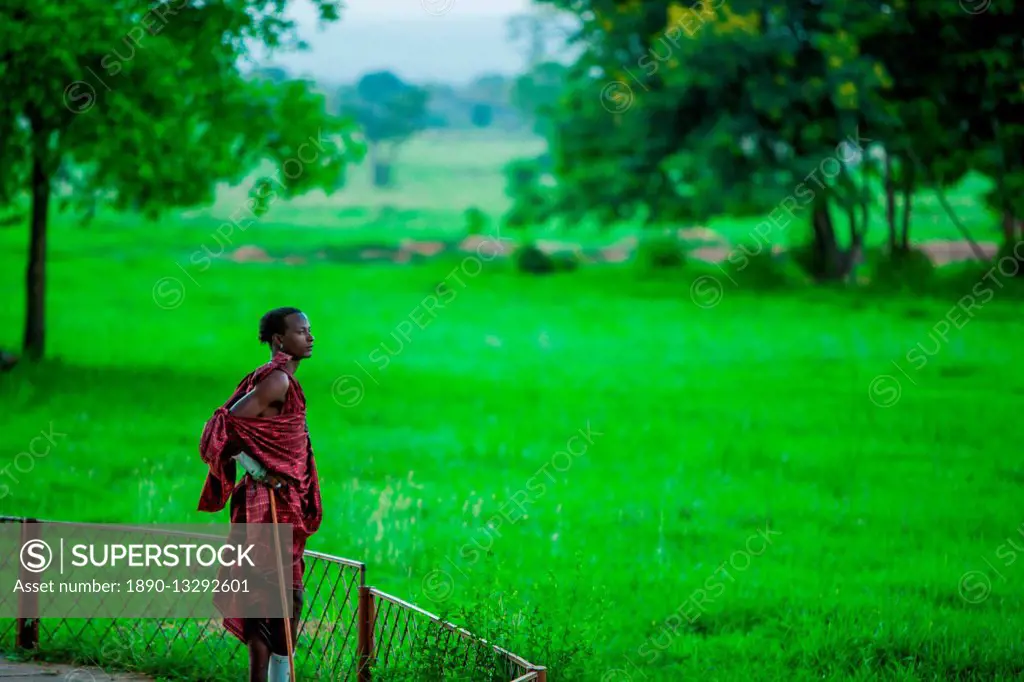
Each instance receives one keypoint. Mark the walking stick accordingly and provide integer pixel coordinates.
(284, 598)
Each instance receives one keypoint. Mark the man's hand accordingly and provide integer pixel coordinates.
(260, 474)
(275, 481)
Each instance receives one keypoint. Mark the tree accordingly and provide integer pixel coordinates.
(390, 111)
(482, 115)
(539, 32)
(748, 106)
(488, 97)
(729, 106)
(536, 93)
(150, 109)
(941, 125)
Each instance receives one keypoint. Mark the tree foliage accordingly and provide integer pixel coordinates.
(389, 111)
(388, 108)
(679, 112)
(146, 106)
(537, 92)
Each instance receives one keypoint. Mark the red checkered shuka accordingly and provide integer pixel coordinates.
(282, 445)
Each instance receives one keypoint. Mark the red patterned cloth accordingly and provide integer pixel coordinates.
(282, 445)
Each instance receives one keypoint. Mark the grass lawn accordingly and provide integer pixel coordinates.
(740, 508)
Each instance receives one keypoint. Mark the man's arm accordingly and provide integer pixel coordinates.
(272, 389)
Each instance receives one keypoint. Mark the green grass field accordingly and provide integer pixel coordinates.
(707, 427)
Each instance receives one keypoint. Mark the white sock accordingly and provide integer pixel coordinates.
(278, 671)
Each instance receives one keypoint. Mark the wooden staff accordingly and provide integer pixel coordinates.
(284, 597)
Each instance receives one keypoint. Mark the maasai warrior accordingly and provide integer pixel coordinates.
(262, 426)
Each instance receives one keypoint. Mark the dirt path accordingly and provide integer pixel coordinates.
(16, 671)
(703, 244)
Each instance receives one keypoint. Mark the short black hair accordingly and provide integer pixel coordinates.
(273, 322)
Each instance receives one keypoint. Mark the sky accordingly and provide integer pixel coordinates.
(420, 40)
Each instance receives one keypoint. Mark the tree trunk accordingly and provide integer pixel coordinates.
(908, 198)
(857, 239)
(941, 196)
(865, 210)
(35, 276)
(1008, 223)
(825, 263)
(890, 204)
(381, 173)
(856, 254)
(1009, 230)
(380, 165)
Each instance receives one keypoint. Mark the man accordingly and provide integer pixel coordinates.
(263, 428)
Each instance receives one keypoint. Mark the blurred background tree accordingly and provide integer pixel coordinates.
(389, 111)
(725, 107)
(149, 119)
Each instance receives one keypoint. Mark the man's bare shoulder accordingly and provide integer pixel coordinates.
(275, 384)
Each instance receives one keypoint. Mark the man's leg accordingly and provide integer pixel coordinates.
(259, 654)
(278, 669)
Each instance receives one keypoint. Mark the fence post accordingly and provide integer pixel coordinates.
(542, 674)
(364, 643)
(27, 635)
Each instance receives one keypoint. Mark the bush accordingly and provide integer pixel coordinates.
(13, 216)
(901, 269)
(802, 255)
(531, 260)
(764, 269)
(7, 360)
(476, 221)
(1012, 250)
(260, 193)
(532, 199)
(660, 252)
(565, 261)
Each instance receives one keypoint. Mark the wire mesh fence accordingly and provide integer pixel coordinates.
(348, 631)
(408, 639)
